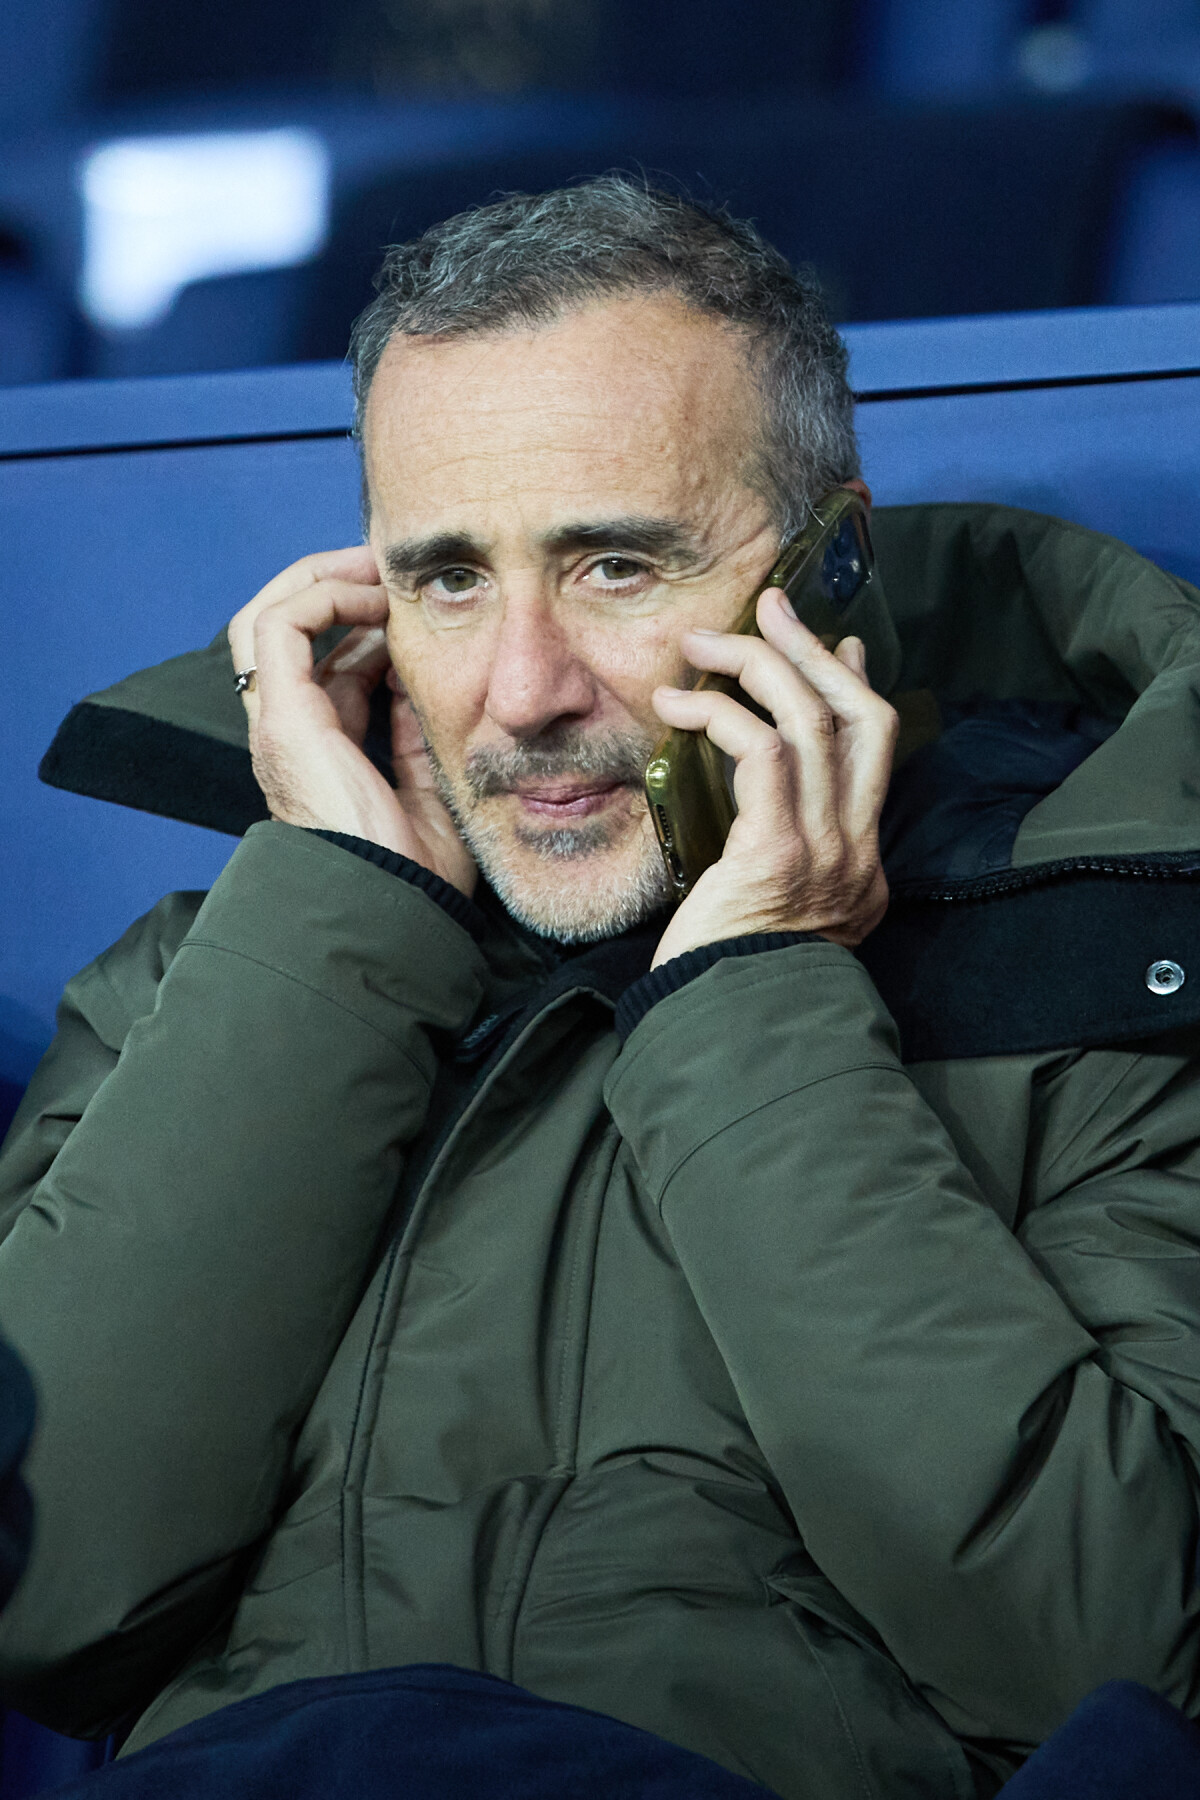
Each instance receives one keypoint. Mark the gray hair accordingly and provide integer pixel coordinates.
(526, 258)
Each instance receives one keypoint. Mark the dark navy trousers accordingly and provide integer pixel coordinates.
(431, 1732)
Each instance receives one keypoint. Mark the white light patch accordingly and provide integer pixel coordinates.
(160, 212)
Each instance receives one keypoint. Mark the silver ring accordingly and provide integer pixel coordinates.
(243, 679)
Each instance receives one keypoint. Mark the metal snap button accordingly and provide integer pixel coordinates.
(1165, 977)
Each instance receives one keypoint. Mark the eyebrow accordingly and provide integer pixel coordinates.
(421, 557)
(666, 540)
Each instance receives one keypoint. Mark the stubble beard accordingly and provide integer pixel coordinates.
(553, 880)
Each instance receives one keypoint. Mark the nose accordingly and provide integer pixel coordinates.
(536, 677)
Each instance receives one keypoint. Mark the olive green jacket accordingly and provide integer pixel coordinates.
(835, 1417)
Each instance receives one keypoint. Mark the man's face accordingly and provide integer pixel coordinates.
(550, 510)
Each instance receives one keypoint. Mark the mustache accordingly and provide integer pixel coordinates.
(619, 757)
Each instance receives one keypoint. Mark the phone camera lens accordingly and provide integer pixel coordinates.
(843, 568)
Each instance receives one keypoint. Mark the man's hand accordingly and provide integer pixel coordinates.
(803, 853)
(307, 722)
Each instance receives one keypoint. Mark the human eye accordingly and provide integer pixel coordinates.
(453, 583)
(617, 573)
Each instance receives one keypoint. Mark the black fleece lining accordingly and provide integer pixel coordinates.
(448, 897)
(110, 754)
(1044, 968)
(669, 977)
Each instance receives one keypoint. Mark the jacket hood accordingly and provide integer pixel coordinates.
(991, 605)
(997, 604)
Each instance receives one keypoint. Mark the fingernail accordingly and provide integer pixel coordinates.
(787, 606)
(704, 631)
(672, 690)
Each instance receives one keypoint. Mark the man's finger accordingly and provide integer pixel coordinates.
(410, 759)
(731, 727)
(769, 677)
(355, 564)
(840, 731)
(843, 687)
(852, 653)
(361, 655)
(803, 717)
(867, 773)
(867, 725)
(275, 642)
(281, 644)
(351, 672)
(241, 628)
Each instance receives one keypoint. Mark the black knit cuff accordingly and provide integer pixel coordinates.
(463, 911)
(669, 977)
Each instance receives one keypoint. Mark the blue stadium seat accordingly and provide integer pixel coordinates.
(35, 322)
(1112, 46)
(676, 47)
(883, 200)
(1116, 26)
(82, 58)
(1052, 176)
(244, 321)
(46, 56)
(1156, 254)
(942, 49)
(83, 71)
(42, 204)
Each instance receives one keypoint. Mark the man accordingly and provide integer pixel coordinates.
(471, 1260)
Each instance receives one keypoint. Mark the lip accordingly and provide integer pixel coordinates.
(560, 801)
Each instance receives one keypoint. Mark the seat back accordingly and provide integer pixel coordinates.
(35, 320)
(884, 201)
(584, 46)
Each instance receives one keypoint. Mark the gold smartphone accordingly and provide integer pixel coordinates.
(828, 573)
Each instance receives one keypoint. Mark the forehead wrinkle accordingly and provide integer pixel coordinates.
(582, 407)
(566, 364)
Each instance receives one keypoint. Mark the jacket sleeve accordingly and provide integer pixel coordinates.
(195, 1188)
(989, 1440)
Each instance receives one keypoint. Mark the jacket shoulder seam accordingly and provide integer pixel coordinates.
(97, 972)
(147, 940)
(859, 1068)
(193, 943)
